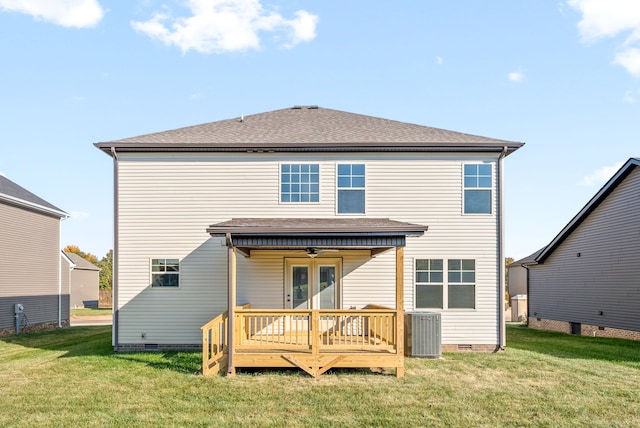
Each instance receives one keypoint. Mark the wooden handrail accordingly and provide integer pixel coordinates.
(214, 346)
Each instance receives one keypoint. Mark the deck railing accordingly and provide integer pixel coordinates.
(316, 331)
(214, 344)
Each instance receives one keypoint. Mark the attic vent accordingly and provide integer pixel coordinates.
(313, 107)
(296, 107)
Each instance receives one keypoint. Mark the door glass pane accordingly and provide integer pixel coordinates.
(300, 287)
(327, 287)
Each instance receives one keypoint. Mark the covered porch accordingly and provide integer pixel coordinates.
(311, 337)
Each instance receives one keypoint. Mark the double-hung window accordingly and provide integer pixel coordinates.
(351, 189)
(165, 273)
(462, 284)
(429, 283)
(299, 183)
(477, 188)
(435, 290)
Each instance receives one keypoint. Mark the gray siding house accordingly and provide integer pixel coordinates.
(587, 280)
(84, 282)
(324, 222)
(30, 261)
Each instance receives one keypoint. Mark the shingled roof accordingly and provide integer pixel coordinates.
(308, 129)
(17, 195)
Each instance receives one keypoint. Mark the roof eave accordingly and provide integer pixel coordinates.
(33, 206)
(593, 203)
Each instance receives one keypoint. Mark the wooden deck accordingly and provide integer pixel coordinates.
(312, 340)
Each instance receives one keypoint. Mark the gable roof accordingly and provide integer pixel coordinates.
(14, 194)
(599, 197)
(308, 129)
(80, 262)
(529, 260)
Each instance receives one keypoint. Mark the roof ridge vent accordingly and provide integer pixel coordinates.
(296, 107)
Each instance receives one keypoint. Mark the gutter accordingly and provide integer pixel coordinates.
(501, 267)
(114, 285)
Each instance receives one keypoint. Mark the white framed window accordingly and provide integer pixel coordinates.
(299, 183)
(429, 283)
(478, 188)
(165, 273)
(435, 290)
(351, 188)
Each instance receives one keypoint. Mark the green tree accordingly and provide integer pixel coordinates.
(507, 262)
(106, 270)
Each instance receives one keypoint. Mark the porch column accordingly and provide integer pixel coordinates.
(400, 309)
(231, 292)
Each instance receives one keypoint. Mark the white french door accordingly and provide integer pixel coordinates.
(313, 283)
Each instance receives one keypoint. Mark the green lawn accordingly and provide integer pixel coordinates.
(90, 312)
(72, 378)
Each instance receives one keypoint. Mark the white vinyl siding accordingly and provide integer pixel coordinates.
(204, 189)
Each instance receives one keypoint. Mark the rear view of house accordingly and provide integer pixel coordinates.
(31, 292)
(587, 280)
(299, 237)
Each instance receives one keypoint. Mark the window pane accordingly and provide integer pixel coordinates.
(301, 184)
(470, 169)
(295, 197)
(470, 182)
(462, 296)
(429, 296)
(455, 277)
(468, 264)
(357, 169)
(357, 182)
(295, 168)
(477, 201)
(422, 264)
(304, 197)
(437, 264)
(304, 168)
(468, 277)
(351, 201)
(344, 182)
(455, 264)
(484, 182)
(484, 169)
(315, 168)
(422, 276)
(436, 276)
(286, 168)
(285, 198)
(314, 197)
(344, 169)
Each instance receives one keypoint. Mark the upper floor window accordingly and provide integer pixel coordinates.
(299, 182)
(477, 188)
(165, 272)
(351, 184)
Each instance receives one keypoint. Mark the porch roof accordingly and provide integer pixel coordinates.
(305, 233)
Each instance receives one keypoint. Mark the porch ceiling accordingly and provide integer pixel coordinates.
(301, 233)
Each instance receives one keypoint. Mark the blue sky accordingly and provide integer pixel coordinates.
(561, 76)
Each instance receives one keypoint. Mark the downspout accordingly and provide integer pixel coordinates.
(114, 270)
(60, 278)
(501, 268)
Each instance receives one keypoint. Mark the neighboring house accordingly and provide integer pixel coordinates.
(517, 272)
(587, 280)
(316, 218)
(30, 261)
(84, 282)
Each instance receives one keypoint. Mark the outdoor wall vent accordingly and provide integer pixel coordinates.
(465, 348)
(151, 347)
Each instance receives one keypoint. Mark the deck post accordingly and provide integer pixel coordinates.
(400, 310)
(231, 273)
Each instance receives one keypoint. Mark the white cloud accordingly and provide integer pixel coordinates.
(439, 60)
(516, 76)
(612, 18)
(226, 26)
(600, 175)
(66, 13)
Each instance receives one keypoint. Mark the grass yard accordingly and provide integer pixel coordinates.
(72, 378)
(91, 312)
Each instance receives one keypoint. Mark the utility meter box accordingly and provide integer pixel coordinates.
(18, 308)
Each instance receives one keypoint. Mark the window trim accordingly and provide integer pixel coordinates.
(338, 188)
(445, 284)
(280, 183)
(491, 189)
(151, 273)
